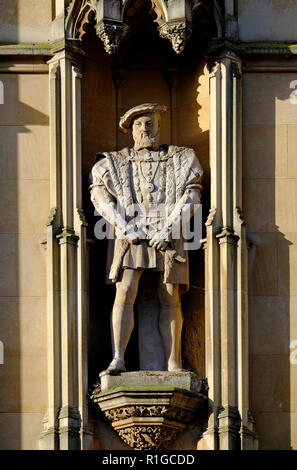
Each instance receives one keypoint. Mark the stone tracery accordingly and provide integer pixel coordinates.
(113, 21)
(79, 16)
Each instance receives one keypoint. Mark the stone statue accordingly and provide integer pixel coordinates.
(159, 180)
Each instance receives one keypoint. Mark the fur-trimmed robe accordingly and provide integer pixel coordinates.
(123, 183)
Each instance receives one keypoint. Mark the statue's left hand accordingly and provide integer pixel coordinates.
(158, 242)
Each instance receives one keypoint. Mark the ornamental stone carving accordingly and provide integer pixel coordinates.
(173, 20)
(177, 33)
(150, 416)
(111, 34)
(148, 437)
(172, 413)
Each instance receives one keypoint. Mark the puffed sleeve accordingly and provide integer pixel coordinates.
(195, 174)
(100, 175)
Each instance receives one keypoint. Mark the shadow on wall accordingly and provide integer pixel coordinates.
(269, 201)
(22, 311)
(10, 393)
(22, 225)
(16, 167)
(194, 132)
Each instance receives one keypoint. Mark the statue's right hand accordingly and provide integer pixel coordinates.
(135, 236)
(132, 237)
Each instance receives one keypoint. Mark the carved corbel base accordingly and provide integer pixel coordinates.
(150, 417)
(111, 34)
(177, 32)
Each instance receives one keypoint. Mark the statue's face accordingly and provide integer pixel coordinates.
(146, 131)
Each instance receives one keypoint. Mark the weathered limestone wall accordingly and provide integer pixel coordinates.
(270, 208)
(267, 20)
(25, 21)
(24, 208)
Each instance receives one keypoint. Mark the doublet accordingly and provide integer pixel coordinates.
(153, 181)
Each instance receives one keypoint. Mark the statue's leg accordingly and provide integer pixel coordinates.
(122, 318)
(170, 323)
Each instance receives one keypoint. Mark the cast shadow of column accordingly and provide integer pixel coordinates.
(15, 116)
(265, 177)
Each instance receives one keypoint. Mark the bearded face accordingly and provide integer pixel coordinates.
(146, 131)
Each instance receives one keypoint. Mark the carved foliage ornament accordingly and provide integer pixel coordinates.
(148, 437)
(150, 419)
(150, 427)
(112, 30)
(111, 35)
(169, 412)
(177, 33)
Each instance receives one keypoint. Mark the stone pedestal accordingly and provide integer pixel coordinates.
(149, 409)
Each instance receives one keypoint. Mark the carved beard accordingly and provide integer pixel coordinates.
(142, 140)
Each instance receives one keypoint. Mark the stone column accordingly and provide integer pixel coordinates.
(212, 281)
(226, 266)
(82, 285)
(67, 265)
(50, 436)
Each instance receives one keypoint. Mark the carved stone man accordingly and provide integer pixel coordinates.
(151, 177)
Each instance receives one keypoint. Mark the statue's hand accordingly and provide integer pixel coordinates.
(158, 242)
(135, 237)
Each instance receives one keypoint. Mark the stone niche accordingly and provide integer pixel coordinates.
(145, 68)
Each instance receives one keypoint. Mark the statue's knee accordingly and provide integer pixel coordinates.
(169, 295)
(125, 292)
(169, 303)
